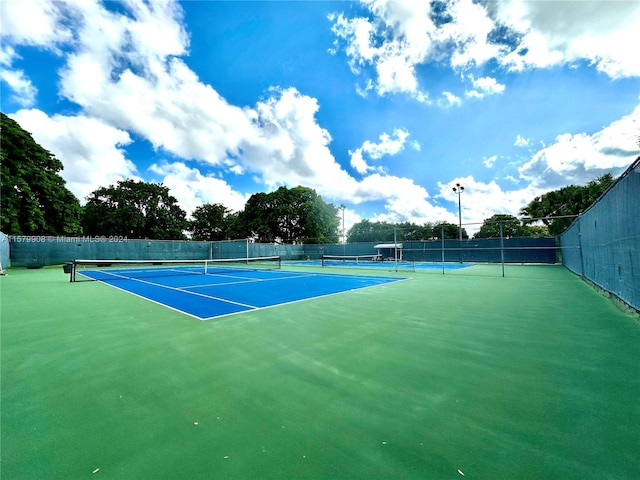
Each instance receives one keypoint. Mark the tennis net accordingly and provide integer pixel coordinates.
(346, 260)
(86, 270)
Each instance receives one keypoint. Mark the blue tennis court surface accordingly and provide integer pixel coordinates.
(208, 296)
(386, 265)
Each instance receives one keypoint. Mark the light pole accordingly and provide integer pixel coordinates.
(344, 240)
(459, 189)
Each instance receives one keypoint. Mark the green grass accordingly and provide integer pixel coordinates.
(531, 376)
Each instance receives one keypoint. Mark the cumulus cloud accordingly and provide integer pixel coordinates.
(24, 92)
(131, 81)
(35, 22)
(131, 78)
(484, 86)
(579, 158)
(387, 45)
(521, 141)
(488, 162)
(389, 144)
(394, 58)
(449, 100)
(566, 32)
(286, 146)
(404, 199)
(482, 200)
(90, 150)
(571, 159)
(192, 189)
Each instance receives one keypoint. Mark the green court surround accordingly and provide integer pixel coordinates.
(531, 376)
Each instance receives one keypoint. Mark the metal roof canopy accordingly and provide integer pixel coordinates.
(388, 245)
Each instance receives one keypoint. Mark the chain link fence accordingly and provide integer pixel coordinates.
(603, 243)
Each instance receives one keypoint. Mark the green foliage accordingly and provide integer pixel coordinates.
(367, 231)
(511, 227)
(34, 198)
(567, 201)
(290, 215)
(451, 231)
(135, 210)
(212, 222)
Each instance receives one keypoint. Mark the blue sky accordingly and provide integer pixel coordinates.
(379, 105)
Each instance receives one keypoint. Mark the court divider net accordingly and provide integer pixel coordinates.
(338, 260)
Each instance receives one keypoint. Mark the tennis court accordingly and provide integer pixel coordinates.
(210, 289)
(372, 261)
(531, 376)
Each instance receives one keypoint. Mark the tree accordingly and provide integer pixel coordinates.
(290, 215)
(212, 222)
(134, 209)
(34, 198)
(408, 231)
(367, 231)
(511, 227)
(451, 231)
(566, 202)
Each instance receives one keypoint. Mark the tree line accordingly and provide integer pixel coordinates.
(34, 200)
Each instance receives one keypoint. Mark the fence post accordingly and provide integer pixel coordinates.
(502, 249)
(580, 245)
(442, 245)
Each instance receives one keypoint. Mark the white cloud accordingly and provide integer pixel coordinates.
(395, 41)
(130, 79)
(388, 145)
(89, 149)
(450, 100)
(521, 141)
(24, 92)
(404, 199)
(358, 162)
(192, 189)
(579, 158)
(465, 36)
(484, 86)
(399, 35)
(480, 200)
(488, 162)
(35, 22)
(285, 145)
(565, 32)
(572, 159)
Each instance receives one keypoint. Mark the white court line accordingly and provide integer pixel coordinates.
(157, 302)
(252, 307)
(251, 280)
(291, 302)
